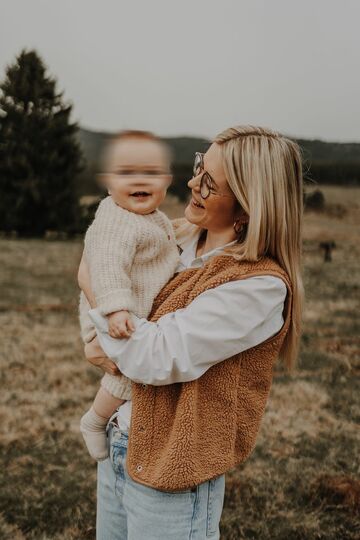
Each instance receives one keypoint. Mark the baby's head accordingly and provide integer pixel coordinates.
(136, 167)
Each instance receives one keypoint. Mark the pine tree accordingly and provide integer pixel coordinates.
(39, 153)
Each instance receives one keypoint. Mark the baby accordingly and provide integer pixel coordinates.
(130, 253)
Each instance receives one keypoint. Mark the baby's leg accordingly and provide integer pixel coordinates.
(93, 423)
(105, 404)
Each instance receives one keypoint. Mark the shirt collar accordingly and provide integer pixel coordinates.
(188, 256)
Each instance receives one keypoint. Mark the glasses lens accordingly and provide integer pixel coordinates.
(204, 186)
(197, 164)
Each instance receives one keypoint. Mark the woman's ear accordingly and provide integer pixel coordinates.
(240, 215)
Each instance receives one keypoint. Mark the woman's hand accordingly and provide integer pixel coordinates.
(96, 356)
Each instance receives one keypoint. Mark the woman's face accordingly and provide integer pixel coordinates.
(216, 213)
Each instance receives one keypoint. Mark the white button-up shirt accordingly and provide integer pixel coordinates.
(181, 346)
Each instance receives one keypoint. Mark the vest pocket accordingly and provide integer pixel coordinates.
(216, 489)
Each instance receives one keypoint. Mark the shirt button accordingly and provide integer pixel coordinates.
(139, 468)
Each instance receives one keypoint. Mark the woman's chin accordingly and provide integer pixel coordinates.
(190, 216)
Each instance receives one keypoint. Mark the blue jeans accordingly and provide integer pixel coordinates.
(127, 510)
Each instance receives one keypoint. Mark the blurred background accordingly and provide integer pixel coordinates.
(71, 74)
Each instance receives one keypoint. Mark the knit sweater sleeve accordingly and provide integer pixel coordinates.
(110, 246)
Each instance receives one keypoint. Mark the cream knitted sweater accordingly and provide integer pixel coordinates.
(130, 258)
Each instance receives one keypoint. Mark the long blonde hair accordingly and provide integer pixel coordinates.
(264, 171)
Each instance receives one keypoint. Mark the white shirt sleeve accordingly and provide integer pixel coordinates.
(182, 345)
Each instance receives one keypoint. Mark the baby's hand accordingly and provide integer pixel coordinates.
(120, 324)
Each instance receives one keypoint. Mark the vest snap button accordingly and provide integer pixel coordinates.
(139, 468)
(144, 385)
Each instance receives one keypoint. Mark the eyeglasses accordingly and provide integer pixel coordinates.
(206, 180)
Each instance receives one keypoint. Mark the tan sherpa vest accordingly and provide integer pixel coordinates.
(183, 434)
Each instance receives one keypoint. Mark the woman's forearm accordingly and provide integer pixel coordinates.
(97, 357)
(181, 346)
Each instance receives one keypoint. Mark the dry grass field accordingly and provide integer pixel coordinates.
(303, 479)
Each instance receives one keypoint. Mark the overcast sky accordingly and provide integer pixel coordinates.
(198, 66)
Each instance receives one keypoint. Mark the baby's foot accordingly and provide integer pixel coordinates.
(93, 429)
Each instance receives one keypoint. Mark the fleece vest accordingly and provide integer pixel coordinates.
(183, 434)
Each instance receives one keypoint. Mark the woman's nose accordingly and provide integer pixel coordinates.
(194, 183)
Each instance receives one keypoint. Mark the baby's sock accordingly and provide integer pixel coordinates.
(93, 429)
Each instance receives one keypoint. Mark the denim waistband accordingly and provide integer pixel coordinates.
(114, 432)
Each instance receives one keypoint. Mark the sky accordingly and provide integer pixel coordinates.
(196, 67)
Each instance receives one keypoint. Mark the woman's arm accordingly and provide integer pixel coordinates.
(92, 351)
(181, 346)
(98, 358)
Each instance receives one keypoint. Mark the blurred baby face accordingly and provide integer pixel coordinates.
(138, 174)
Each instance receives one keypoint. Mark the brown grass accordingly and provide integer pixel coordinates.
(302, 481)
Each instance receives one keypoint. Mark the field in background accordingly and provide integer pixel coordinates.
(302, 481)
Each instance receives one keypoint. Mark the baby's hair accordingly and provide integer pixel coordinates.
(135, 134)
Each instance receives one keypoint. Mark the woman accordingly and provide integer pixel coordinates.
(202, 365)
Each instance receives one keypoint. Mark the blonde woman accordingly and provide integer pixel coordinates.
(202, 364)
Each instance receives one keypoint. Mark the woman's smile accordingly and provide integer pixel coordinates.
(195, 203)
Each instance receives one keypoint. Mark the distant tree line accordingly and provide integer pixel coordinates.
(343, 169)
(340, 174)
(336, 173)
